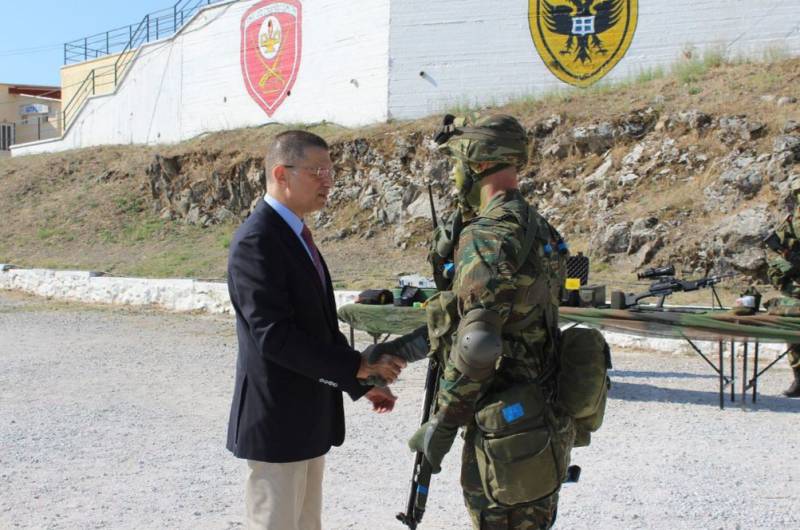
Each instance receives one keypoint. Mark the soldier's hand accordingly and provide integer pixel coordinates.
(434, 440)
(386, 367)
(410, 347)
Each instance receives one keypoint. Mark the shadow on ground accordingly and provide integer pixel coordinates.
(644, 392)
(671, 375)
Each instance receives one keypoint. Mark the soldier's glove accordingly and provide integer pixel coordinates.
(410, 347)
(434, 440)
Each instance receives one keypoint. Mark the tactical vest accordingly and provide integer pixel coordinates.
(530, 333)
(522, 444)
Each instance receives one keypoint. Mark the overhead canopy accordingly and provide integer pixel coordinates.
(52, 92)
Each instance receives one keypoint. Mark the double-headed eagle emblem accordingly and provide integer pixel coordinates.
(585, 22)
(581, 40)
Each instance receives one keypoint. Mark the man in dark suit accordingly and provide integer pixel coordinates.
(293, 362)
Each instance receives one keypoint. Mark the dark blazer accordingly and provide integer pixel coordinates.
(293, 362)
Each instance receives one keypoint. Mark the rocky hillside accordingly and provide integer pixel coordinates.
(691, 169)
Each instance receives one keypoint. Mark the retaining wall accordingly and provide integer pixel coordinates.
(212, 297)
(374, 60)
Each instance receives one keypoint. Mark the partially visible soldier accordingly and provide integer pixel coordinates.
(784, 274)
(499, 377)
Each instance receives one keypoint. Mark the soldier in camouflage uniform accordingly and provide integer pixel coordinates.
(509, 266)
(784, 274)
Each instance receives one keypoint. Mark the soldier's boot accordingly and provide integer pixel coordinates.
(794, 390)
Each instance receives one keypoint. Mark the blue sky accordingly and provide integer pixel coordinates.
(32, 34)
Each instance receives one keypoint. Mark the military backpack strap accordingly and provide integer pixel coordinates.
(530, 238)
(527, 245)
(550, 314)
(519, 325)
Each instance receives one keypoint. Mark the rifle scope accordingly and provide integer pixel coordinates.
(669, 270)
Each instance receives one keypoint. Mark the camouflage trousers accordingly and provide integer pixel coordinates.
(794, 355)
(486, 515)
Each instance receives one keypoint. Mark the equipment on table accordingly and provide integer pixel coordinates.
(658, 272)
(664, 285)
(578, 267)
(573, 294)
(375, 297)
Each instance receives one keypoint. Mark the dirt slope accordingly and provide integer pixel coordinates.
(97, 208)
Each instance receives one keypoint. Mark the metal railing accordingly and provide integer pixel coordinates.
(7, 136)
(154, 26)
(30, 129)
(158, 25)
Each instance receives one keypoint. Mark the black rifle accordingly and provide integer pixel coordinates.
(663, 287)
(421, 475)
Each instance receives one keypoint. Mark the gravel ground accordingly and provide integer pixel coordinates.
(113, 418)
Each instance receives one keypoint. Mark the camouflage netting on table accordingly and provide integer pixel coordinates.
(687, 323)
(673, 323)
(381, 319)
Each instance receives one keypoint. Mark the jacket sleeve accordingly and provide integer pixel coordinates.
(258, 284)
(485, 279)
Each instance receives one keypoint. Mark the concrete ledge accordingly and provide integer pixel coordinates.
(170, 294)
(212, 297)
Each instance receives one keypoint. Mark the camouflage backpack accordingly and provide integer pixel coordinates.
(583, 381)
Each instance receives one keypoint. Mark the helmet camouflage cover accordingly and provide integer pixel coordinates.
(495, 138)
(498, 139)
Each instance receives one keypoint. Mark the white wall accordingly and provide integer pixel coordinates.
(183, 86)
(478, 52)
(472, 51)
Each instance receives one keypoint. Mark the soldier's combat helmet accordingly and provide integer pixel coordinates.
(471, 140)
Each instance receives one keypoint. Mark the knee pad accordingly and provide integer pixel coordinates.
(478, 344)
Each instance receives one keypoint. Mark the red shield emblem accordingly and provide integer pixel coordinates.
(270, 54)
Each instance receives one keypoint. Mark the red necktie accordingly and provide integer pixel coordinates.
(305, 233)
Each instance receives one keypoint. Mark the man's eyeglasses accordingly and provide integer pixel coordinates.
(318, 173)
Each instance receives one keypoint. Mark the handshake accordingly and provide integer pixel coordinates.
(381, 363)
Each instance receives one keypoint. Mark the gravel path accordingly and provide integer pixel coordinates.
(113, 418)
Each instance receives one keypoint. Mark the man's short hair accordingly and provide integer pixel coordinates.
(288, 148)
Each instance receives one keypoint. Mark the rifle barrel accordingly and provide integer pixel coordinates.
(433, 207)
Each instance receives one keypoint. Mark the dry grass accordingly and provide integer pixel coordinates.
(90, 209)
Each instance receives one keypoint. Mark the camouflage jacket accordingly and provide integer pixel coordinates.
(784, 268)
(489, 276)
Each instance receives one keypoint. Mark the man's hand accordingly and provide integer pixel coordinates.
(434, 440)
(386, 367)
(382, 399)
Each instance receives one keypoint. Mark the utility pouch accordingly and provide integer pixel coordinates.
(583, 383)
(375, 297)
(441, 312)
(408, 295)
(522, 449)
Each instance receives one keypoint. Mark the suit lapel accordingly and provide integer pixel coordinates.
(299, 252)
(295, 246)
(333, 320)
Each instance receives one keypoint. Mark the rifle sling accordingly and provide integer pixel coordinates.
(530, 237)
